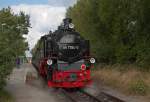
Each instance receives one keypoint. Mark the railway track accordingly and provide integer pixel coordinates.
(110, 98)
(82, 96)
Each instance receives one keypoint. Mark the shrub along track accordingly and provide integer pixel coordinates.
(82, 96)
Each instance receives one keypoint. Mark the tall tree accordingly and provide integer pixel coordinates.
(12, 43)
(118, 29)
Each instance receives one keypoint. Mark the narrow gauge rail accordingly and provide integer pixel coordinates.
(110, 97)
(105, 97)
(79, 96)
(82, 96)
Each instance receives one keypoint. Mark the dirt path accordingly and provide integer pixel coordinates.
(23, 92)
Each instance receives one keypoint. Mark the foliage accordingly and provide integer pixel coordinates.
(118, 29)
(131, 82)
(5, 96)
(12, 43)
(139, 87)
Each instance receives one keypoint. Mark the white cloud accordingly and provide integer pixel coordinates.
(42, 18)
(65, 3)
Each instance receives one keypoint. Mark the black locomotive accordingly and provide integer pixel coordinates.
(64, 57)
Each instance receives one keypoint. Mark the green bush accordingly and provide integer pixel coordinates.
(139, 87)
(5, 96)
(2, 83)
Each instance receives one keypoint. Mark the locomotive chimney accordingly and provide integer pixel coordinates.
(67, 21)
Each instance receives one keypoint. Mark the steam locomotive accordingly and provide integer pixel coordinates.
(63, 57)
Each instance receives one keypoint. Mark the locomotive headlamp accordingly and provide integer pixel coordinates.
(92, 60)
(71, 25)
(83, 67)
(49, 61)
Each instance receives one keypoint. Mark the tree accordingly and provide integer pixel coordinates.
(118, 29)
(12, 43)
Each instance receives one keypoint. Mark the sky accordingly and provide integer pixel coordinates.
(44, 15)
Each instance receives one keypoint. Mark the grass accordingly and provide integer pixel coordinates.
(5, 96)
(129, 81)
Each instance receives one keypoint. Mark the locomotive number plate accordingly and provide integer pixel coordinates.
(68, 47)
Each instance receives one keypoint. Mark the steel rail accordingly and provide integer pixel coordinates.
(75, 99)
(104, 97)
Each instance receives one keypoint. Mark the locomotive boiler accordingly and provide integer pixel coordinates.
(63, 57)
